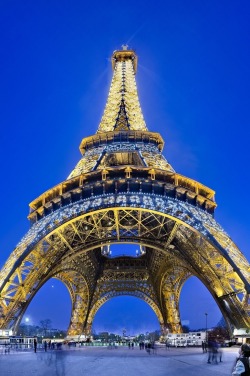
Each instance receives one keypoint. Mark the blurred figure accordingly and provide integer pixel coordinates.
(203, 346)
(215, 352)
(35, 344)
(219, 352)
(210, 351)
(168, 345)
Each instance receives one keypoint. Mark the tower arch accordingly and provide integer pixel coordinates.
(137, 292)
(194, 291)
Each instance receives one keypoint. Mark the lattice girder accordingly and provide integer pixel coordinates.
(123, 89)
(76, 285)
(173, 271)
(118, 278)
(79, 294)
(176, 228)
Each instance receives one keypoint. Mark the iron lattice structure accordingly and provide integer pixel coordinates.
(123, 190)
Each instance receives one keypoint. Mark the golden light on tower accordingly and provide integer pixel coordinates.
(123, 190)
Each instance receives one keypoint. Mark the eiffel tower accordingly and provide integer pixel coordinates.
(123, 190)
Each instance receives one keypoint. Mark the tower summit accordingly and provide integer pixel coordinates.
(123, 190)
(123, 111)
(122, 137)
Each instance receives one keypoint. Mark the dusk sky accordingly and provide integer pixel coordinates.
(193, 82)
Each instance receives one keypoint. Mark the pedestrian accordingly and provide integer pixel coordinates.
(153, 347)
(148, 347)
(210, 346)
(219, 349)
(35, 344)
(203, 346)
(45, 345)
(242, 366)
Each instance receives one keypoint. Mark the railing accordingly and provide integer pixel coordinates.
(73, 191)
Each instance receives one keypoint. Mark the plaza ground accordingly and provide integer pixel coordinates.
(101, 361)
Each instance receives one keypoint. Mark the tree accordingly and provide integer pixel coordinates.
(23, 330)
(185, 329)
(154, 336)
(45, 325)
(219, 333)
(222, 323)
(228, 330)
(28, 330)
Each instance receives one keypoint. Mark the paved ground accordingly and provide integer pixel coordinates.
(115, 362)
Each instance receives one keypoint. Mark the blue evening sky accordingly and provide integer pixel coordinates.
(193, 82)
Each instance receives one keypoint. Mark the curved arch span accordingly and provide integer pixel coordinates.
(172, 233)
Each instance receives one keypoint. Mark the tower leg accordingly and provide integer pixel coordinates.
(172, 312)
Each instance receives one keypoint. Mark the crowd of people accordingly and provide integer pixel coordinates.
(47, 344)
(148, 346)
(242, 365)
(214, 352)
(211, 347)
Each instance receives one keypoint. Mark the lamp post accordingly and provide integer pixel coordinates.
(27, 321)
(206, 327)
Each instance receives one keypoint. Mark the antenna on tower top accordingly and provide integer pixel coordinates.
(124, 47)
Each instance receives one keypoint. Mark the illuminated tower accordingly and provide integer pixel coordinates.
(123, 190)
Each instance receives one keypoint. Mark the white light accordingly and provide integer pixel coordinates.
(27, 319)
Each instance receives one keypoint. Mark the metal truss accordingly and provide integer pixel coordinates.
(72, 253)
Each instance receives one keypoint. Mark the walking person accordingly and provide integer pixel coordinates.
(219, 349)
(168, 345)
(203, 346)
(242, 366)
(215, 352)
(35, 344)
(153, 347)
(210, 351)
(148, 347)
(45, 345)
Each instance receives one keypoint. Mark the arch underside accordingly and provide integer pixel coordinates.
(126, 289)
(180, 240)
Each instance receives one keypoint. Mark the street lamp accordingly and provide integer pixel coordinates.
(28, 328)
(206, 326)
